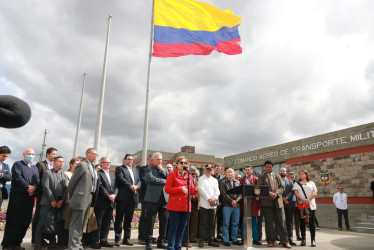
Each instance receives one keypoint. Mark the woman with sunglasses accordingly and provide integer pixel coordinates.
(177, 188)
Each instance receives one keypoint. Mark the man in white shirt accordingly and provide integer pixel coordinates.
(340, 201)
(209, 192)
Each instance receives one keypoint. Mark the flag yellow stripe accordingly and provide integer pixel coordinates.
(192, 15)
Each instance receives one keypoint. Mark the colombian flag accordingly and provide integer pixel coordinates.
(185, 27)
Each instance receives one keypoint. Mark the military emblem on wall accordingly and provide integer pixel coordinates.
(325, 177)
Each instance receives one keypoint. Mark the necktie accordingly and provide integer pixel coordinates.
(271, 183)
(50, 165)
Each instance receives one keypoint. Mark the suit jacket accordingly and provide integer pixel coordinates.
(49, 187)
(124, 182)
(156, 180)
(143, 180)
(106, 189)
(24, 176)
(227, 199)
(288, 192)
(263, 179)
(6, 176)
(80, 186)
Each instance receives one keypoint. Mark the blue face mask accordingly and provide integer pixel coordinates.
(29, 158)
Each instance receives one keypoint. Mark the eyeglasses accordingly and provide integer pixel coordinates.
(94, 154)
(130, 159)
(183, 162)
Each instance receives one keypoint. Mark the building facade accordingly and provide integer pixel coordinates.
(341, 158)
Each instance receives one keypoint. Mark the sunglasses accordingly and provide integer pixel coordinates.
(182, 162)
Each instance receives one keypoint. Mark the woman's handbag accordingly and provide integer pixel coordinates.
(304, 211)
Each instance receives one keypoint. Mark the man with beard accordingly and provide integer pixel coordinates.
(288, 203)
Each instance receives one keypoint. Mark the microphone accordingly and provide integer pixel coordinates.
(185, 168)
(14, 112)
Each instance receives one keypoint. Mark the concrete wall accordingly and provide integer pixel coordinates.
(328, 218)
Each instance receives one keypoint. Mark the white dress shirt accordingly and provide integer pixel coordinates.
(340, 201)
(208, 189)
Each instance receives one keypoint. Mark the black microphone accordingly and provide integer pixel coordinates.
(185, 168)
(14, 112)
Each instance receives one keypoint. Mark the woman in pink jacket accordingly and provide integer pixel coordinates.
(176, 187)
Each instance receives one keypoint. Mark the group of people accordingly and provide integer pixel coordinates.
(176, 193)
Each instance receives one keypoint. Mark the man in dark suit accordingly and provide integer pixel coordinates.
(104, 204)
(42, 167)
(155, 202)
(272, 207)
(82, 189)
(55, 186)
(4, 173)
(287, 202)
(128, 183)
(25, 180)
(142, 191)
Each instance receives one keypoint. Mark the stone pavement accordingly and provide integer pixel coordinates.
(327, 239)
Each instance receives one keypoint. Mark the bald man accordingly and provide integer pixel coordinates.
(25, 180)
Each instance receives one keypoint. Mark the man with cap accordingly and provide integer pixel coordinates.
(209, 192)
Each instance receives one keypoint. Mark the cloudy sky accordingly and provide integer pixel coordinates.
(307, 68)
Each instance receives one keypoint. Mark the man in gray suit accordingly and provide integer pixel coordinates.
(272, 207)
(287, 202)
(55, 186)
(82, 186)
(155, 201)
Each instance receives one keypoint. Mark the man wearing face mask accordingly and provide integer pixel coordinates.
(25, 179)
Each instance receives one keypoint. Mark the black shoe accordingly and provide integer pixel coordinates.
(291, 242)
(154, 240)
(141, 242)
(215, 240)
(148, 247)
(127, 242)
(226, 244)
(313, 243)
(219, 237)
(161, 245)
(237, 243)
(303, 242)
(201, 244)
(96, 245)
(106, 244)
(257, 242)
(298, 238)
(212, 244)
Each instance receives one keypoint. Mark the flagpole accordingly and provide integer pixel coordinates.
(145, 134)
(101, 102)
(79, 119)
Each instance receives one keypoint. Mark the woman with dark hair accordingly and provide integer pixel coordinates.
(305, 190)
(177, 188)
(72, 164)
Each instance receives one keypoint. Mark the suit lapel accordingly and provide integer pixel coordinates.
(127, 174)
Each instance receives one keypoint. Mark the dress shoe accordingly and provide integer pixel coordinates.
(226, 244)
(185, 245)
(19, 248)
(96, 245)
(148, 247)
(162, 245)
(35, 248)
(303, 242)
(270, 244)
(237, 243)
(213, 244)
(127, 242)
(215, 240)
(194, 241)
(257, 242)
(117, 244)
(298, 238)
(340, 229)
(106, 244)
(313, 243)
(286, 245)
(291, 242)
(349, 229)
(8, 248)
(154, 240)
(141, 242)
(201, 244)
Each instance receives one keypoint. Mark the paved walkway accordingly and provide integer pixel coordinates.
(327, 239)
